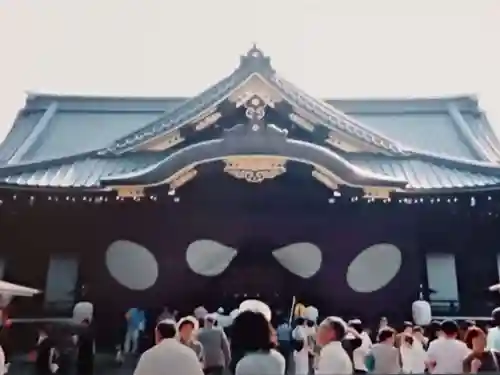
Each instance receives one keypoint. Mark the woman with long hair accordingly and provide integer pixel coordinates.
(480, 359)
(252, 346)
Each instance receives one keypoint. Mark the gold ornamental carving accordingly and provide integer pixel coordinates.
(130, 191)
(377, 192)
(335, 140)
(255, 169)
(303, 123)
(181, 178)
(307, 115)
(255, 85)
(165, 141)
(323, 177)
(205, 113)
(207, 121)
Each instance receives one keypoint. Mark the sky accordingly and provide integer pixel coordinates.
(330, 48)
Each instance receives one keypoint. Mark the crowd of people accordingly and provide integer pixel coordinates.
(253, 345)
(252, 341)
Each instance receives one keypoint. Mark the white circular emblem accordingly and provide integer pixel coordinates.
(132, 265)
(374, 268)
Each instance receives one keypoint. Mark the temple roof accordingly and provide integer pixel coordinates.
(424, 174)
(81, 124)
(80, 141)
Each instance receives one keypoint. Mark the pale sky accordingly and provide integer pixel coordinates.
(330, 48)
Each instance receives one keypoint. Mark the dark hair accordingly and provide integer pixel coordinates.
(408, 339)
(449, 327)
(357, 326)
(185, 322)
(471, 334)
(250, 333)
(385, 333)
(310, 323)
(166, 329)
(469, 323)
(299, 321)
(338, 326)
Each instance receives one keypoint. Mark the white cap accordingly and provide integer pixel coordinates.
(190, 319)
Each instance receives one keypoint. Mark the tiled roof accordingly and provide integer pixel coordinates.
(255, 63)
(89, 123)
(423, 174)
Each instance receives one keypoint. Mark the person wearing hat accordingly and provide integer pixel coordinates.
(359, 353)
(446, 354)
(168, 356)
(493, 338)
(333, 359)
(187, 327)
(215, 346)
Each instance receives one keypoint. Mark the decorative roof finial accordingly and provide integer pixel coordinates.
(255, 59)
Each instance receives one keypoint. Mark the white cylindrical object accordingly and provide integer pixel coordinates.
(421, 311)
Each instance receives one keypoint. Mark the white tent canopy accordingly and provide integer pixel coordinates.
(15, 290)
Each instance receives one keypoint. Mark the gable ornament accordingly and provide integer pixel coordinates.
(255, 169)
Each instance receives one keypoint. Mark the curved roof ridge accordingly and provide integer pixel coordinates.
(399, 147)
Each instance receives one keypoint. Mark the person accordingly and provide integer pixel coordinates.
(384, 356)
(418, 354)
(311, 344)
(301, 354)
(215, 346)
(3, 367)
(383, 323)
(136, 322)
(274, 344)
(412, 354)
(421, 339)
(166, 314)
(360, 353)
(187, 327)
(480, 359)
(168, 356)
(86, 349)
(252, 337)
(46, 355)
(284, 336)
(493, 338)
(333, 359)
(446, 354)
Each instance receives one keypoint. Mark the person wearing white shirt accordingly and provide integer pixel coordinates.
(254, 338)
(3, 367)
(446, 354)
(168, 356)
(301, 357)
(359, 354)
(333, 359)
(493, 338)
